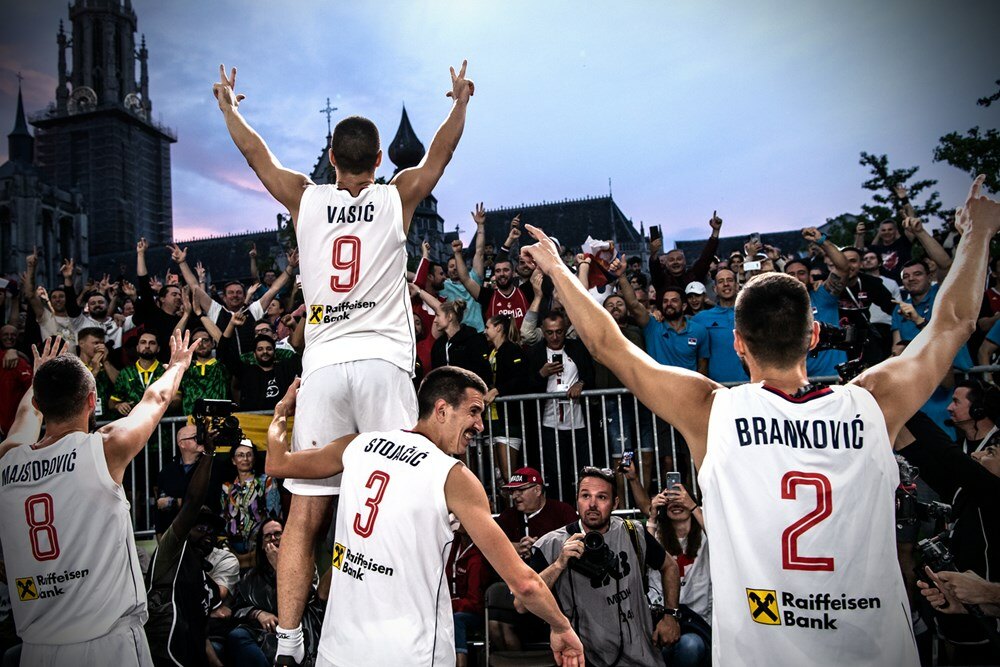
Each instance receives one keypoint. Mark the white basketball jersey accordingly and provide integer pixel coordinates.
(389, 598)
(353, 264)
(799, 504)
(67, 540)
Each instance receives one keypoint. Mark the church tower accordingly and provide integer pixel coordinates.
(99, 137)
(406, 151)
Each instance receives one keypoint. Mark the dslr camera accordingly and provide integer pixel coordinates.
(850, 337)
(214, 418)
(597, 562)
(909, 509)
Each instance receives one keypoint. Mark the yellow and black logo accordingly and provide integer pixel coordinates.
(315, 314)
(763, 606)
(26, 589)
(339, 551)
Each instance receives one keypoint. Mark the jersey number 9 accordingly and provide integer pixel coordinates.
(347, 262)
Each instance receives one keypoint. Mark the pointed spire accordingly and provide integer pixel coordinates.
(406, 151)
(20, 143)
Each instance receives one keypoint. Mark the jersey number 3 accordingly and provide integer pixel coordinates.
(364, 527)
(42, 534)
(347, 261)
(790, 558)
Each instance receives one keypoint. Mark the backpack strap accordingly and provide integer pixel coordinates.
(633, 535)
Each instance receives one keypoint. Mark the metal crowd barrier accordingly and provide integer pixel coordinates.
(613, 422)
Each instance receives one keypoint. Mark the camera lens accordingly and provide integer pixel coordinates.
(593, 541)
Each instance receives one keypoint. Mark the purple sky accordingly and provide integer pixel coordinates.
(758, 110)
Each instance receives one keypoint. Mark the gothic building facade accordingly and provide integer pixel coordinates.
(99, 138)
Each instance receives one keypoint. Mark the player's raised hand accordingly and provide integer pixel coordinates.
(544, 254)
(715, 222)
(225, 90)
(181, 349)
(54, 347)
(567, 649)
(176, 254)
(983, 211)
(461, 88)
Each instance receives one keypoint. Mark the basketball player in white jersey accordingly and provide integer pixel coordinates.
(78, 595)
(389, 599)
(798, 481)
(360, 346)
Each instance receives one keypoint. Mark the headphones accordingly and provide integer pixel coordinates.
(977, 400)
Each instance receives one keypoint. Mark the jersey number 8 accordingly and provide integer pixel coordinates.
(42, 534)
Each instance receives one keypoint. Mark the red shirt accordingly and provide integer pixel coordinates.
(13, 383)
(467, 577)
(494, 302)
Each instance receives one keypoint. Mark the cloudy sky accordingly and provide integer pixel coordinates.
(756, 109)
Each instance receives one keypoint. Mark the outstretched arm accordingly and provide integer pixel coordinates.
(284, 184)
(933, 249)
(307, 464)
(416, 183)
(929, 356)
(467, 499)
(678, 396)
(463, 271)
(125, 438)
(195, 496)
(479, 216)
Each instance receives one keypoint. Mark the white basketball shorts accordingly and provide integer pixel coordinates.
(351, 397)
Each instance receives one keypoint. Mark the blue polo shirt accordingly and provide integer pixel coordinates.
(454, 289)
(908, 330)
(994, 334)
(723, 364)
(825, 308)
(676, 348)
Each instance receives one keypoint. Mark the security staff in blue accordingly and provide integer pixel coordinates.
(676, 341)
(723, 363)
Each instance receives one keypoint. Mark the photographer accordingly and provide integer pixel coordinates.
(596, 569)
(973, 485)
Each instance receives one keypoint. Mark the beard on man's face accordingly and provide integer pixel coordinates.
(147, 354)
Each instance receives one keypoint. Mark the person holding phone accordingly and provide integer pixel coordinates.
(670, 269)
(562, 366)
(812, 512)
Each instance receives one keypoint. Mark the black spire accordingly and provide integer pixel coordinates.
(405, 151)
(20, 143)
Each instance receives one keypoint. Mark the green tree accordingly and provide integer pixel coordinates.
(974, 152)
(883, 185)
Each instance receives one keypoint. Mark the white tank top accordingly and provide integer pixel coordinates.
(389, 599)
(72, 567)
(352, 256)
(799, 504)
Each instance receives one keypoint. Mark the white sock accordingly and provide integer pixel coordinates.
(290, 642)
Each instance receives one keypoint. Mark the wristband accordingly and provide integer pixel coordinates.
(822, 239)
(505, 250)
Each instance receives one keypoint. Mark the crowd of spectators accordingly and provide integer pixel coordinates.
(492, 313)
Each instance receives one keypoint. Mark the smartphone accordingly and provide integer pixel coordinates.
(557, 358)
(751, 266)
(654, 232)
(626, 461)
(673, 479)
(754, 238)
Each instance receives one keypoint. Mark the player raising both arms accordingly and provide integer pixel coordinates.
(389, 599)
(360, 346)
(798, 480)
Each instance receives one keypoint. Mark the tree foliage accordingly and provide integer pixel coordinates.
(974, 152)
(883, 183)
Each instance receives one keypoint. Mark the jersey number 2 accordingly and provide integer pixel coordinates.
(346, 260)
(364, 527)
(790, 558)
(42, 534)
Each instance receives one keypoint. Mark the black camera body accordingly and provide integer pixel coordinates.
(214, 418)
(851, 338)
(909, 509)
(597, 562)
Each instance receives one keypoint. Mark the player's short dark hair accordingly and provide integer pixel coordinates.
(774, 317)
(91, 332)
(449, 383)
(61, 387)
(355, 145)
